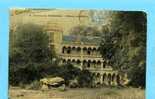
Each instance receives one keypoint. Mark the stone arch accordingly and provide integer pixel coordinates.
(98, 63)
(73, 61)
(64, 61)
(73, 48)
(84, 63)
(113, 76)
(69, 50)
(69, 61)
(94, 63)
(118, 79)
(64, 49)
(78, 61)
(104, 64)
(89, 63)
(94, 50)
(78, 49)
(98, 74)
(84, 50)
(89, 50)
(104, 77)
(109, 79)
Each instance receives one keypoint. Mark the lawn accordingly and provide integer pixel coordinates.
(79, 93)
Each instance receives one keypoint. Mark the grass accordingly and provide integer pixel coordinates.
(79, 93)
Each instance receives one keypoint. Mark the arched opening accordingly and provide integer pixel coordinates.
(63, 49)
(94, 63)
(109, 79)
(113, 77)
(98, 75)
(89, 63)
(94, 51)
(64, 61)
(98, 78)
(78, 62)
(118, 79)
(74, 50)
(69, 61)
(68, 50)
(84, 63)
(78, 49)
(89, 51)
(104, 64)
(99, 64)
(73, 61)
(84, 50)
(104, 77)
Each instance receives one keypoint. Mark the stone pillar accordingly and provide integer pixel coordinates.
(74, 51)
(81, 58)
(115, 81)
(101, 65)
(106, 80)
(101, 78)
(118, 79)
(64, 50)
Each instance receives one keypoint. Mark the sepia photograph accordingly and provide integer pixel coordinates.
(77, 54)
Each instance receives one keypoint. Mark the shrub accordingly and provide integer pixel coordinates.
(35, 85)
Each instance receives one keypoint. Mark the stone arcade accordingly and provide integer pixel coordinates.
(83, 52)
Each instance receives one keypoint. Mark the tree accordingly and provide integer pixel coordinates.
(29, 51)
(85, 79)
(85, 30)
(125, 44)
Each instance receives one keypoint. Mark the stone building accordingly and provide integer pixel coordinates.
(83, 52)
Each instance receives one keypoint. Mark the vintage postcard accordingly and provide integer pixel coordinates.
(77, 54)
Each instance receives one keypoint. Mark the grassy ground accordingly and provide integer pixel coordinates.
(82, 93)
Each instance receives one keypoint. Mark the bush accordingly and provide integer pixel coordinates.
(29, 52)
(35, 85)
(85, 79)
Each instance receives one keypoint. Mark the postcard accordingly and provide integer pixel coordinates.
(68, 49)
(77, 54)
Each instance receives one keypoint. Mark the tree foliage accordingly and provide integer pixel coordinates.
(85, 78)
(29, 50)
(85, 30)
(125, 44)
